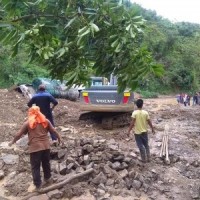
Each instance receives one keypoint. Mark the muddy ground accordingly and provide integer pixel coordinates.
(178, 180)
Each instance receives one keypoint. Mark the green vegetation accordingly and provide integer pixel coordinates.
(67, 36)
(74, 39)
(177, 47)
(18, 70)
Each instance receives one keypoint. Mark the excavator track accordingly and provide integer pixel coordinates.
(108, 120)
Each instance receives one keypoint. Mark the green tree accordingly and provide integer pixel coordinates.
(17, 70)
(73, 37)
(176, 46)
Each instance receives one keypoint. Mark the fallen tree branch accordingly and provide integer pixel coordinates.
(59, 185)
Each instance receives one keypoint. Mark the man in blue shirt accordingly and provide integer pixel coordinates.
(44, 100)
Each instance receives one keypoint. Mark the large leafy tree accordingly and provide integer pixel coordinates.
(75, 37)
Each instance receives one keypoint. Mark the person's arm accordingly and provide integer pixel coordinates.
(20, 133)
(30, 103)
(150, 124)
(53, 130)
(53, 106)
(54, 102)
(132, 124)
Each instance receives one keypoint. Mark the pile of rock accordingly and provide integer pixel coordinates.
(114, 170)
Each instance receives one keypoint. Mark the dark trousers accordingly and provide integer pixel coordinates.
(36, 159)
(50, 118)
(142, 143)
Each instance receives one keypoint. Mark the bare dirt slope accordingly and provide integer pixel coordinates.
(179, 180)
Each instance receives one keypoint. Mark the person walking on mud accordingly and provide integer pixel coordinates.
(140, 121)
(44, 100)
(37, 127)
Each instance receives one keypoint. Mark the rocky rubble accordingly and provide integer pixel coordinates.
(117, 173)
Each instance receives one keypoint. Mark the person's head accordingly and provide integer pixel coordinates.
(139, 103)
(41, 87)
(35, 117)
(34, 110)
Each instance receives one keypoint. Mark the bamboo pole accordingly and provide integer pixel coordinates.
(165, 145)
(162, 147)
(167, 160)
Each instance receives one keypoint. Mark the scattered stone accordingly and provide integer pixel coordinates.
(61, 153)
(70, 166)
(159, 120)
(119, 158)
(123, 173)
(107, 170)
(88, 148)
(113, 147)
(136, 184)
(100, 178)
(196, 163)
(90, 165)
(86, 159)
(57, 194)
(10, 159)
(84, 141)
(116, 165)
(63, 168)
(110, 182)
(100, 192)
(195, 191)
(40, 197)
(2, 174)
(133, 155)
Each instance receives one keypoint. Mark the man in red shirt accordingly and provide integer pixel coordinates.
(37, 126)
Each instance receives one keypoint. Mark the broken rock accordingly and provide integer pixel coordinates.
(100, 178)
(57, 194)
(10, 159)
(40, 197)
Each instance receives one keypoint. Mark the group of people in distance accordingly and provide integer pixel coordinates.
(185, 99)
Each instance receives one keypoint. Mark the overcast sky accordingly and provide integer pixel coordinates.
(174, 10)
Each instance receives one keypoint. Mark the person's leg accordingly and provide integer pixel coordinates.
(145, 142)
(46, 164)
(141, 147)
(35, 160)
(50, 118)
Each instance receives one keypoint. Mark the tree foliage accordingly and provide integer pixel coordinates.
(18, 70)
(176, 46)
(61, 37)
(75, 37)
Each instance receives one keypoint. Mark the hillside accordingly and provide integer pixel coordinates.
(118, 173)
